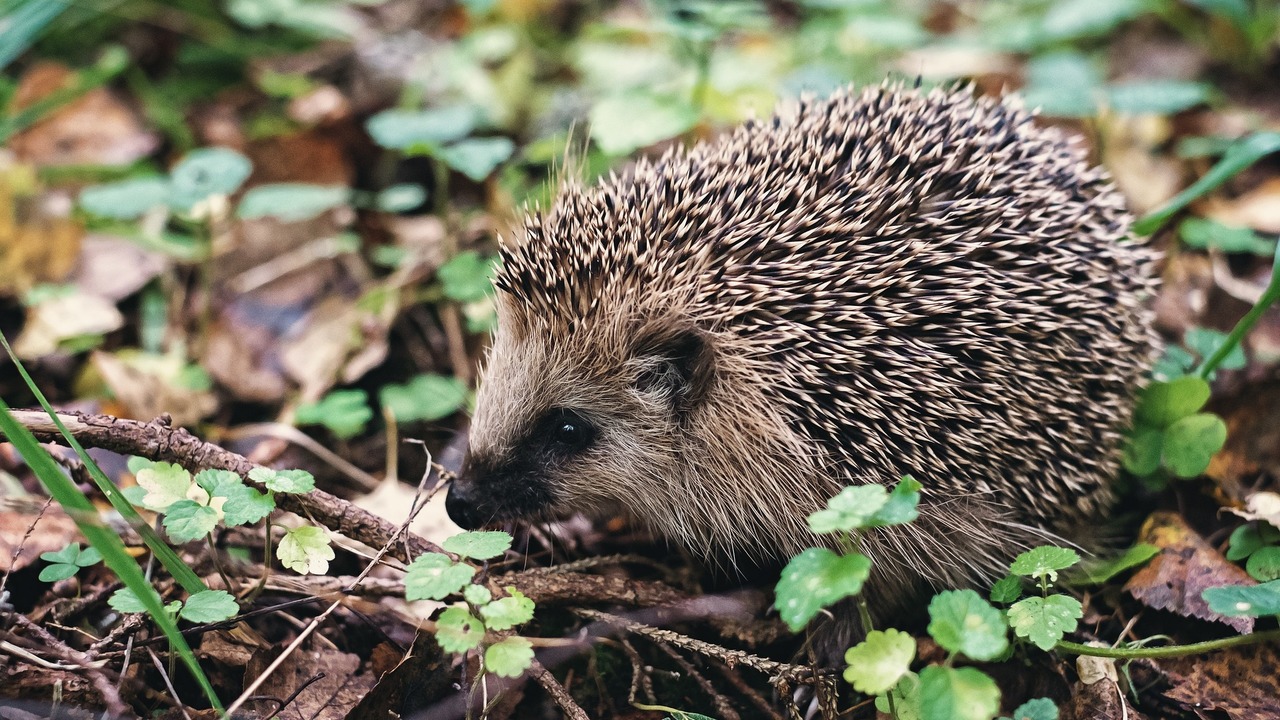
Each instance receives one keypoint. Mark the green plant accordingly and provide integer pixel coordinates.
(68, 561)
(477, 621)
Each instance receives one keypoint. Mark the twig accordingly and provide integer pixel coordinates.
(557, 692)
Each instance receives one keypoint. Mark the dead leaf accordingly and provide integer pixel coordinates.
(1185, 567)
(1239, 681)
(418, 680)
(39, 241)
(48, 532)
(149, 385)
(330, 697)
(96, 128)
(1258, 209)
(1262, 506)
(62, 318)
(392, 500)
(114, 269)
(338, 331)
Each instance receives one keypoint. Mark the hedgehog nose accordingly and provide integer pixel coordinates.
(461, 505)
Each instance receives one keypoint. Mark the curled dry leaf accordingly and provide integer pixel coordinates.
(1185, 567)
(1240, 682)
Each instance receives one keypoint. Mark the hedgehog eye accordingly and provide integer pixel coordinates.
(569, 431)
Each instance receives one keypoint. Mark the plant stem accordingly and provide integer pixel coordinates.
(1130, 653)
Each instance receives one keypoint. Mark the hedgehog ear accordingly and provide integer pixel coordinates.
(675, 362)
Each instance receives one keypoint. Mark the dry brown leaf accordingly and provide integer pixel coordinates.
(338, 334)
(1185, 567)
(57, 319)
(148, 385)
(392, 500)
(114, 269)
(49, 532)
(39, 241)
(1240, 681)
(96, 128)
(1258, 209)
(330, 697)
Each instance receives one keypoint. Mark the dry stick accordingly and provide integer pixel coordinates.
(157, 440)
(557, 692)
(724, 710)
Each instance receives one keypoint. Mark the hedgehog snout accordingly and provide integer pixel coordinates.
(488, 490)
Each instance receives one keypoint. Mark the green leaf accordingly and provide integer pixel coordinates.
(292, 202)
(127, 199)
(1206, 341)
(284, 481)
(477, 594)
(902, 506)
(1063, 84)
(957, 694)
(1006, 590)
(621, 124)
(209, 606)
(877, 664)
(345, 412)
(1205, 234)
(1239, 156)
(509, 658)
(305, 550)
(57, 572)
(962, 622)
(849, 510)
(1143, 451)
(1037, 709)
(207, 172)
(88, 556)
(187, 520)
(1045, 620)
(165, 484)
(467, 277)
(1071, 19)
(1159, 97)
(400, 198)
(815, 579)
(458, 630)
(1244, 601)
(1044, 562)
(241, 504)
(477, 157)
(427, 397)
(1244, 541)
(67, 555)
(478, 544)
(1264, 564)
(906, 699)
(409, 129)
(126, 601)
(434, 576)
(1164, 403)
(507, 612)
(1190, 444)
(1133, 557)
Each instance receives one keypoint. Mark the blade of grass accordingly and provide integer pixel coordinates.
(1239, 156)
(1236, 336)
(103, 539)
(165, 554)
(24, 20)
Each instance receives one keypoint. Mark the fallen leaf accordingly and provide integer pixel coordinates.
(1258, 209)
(48, 532)
(1240, 681)
(1185, 567)
(332, 679)
(113, 268)
(149, 385)
(62, 318)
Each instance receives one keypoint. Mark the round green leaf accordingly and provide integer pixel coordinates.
(876, 664)
(507, 612)
(851, 509)
(165, 484)
(209, 606)
(1142, 452)
(478, 544)
(962, 621)
(957, 694)
(345, 412)
(621, 124)
(902, 506)
(477, 595)
(1164, 403)
(187, 520)
(1045, 620)
(458, 630)
(815, 579)
(405, 129)
(1244, 601)
(427, 398)
(478, 157)
(434, 576)
(1264, 564)
(1245, 540)
(509, 658)
(305, 550)
(1190, 443)
(127, 199)
(1036, 709)
(58, 571)
(207, 172)
(401, 198)
(285, 481)
(1006, 590)
(1158, 97)
(291, 202)
(1044, 562)
(467, 277)
(67, 555)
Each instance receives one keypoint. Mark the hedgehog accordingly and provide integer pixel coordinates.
(897, 281)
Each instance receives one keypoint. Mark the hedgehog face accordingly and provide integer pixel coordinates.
(579, 425)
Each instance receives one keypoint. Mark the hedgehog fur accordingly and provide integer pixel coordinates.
(897, 281)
